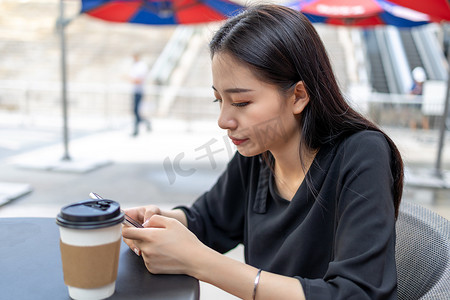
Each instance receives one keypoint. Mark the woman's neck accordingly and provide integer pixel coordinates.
(289, 172)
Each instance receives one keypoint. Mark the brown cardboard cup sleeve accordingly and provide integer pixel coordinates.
(90, 267)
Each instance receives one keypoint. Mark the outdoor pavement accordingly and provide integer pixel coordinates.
(169, 166)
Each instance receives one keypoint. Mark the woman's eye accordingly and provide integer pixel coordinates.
(240, 104)
(235, 104)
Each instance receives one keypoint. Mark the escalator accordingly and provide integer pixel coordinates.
(393, 53)
(429, 49)
(376, 70)
(389, 70)
(411, 51)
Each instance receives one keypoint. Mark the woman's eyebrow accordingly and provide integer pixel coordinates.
(235, 90)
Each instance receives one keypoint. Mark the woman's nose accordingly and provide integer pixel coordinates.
(226, 119)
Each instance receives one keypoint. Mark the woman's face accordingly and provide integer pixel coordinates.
(255, 114)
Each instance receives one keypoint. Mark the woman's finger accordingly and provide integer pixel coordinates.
(158, 221)
(132, 233)
(139, 234)
(132, 246)
(150, 211)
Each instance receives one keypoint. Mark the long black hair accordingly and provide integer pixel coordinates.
(282, 47)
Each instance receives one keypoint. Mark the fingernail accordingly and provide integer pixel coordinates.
(137, 251)
(145, 223)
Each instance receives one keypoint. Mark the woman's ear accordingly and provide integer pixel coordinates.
(301, 98)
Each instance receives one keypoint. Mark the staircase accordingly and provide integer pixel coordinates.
(330, 38)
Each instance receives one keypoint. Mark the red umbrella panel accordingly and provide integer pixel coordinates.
(160, 12)
(438, 10)
(363, 13)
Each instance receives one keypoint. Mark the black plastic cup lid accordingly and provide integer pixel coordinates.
(90, 214)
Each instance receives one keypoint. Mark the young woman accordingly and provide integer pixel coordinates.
(313, 192)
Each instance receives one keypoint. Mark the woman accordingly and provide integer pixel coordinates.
(313, 192)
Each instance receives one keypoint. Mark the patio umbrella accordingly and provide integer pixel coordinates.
(160, 12)
(362, 13)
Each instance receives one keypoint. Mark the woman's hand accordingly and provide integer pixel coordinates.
(142, 215)
(167, 246)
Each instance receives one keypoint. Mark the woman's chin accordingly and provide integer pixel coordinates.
(248, 152)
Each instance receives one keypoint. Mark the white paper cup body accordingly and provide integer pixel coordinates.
(86, 238)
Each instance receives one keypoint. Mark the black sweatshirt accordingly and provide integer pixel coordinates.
(337, 236)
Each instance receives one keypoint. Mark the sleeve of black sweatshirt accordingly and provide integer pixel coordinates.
(217, 217)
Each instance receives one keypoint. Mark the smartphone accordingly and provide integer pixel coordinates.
(131, 222)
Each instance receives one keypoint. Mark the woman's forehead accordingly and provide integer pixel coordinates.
(230, 71)
(225, 60)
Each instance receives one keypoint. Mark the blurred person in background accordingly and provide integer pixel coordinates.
(138, 74)
(419, 77)
(312, 193)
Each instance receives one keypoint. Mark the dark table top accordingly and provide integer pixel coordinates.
(31, 268)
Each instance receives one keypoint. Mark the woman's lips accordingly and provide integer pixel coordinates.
(237, 142)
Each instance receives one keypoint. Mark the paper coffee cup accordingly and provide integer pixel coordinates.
(90, 237)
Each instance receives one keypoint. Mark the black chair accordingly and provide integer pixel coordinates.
(422, 254)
